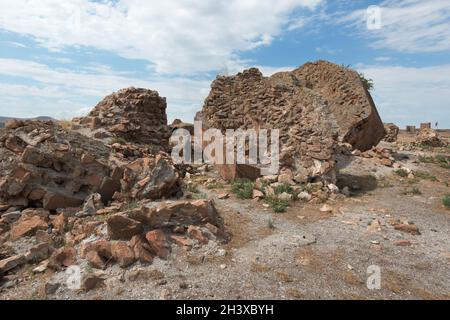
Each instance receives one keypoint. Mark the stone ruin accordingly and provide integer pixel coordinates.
(316, 107)
(133, 115)
(44, 165)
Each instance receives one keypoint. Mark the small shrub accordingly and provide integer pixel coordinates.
(133, 205)
(446, 201)
(191, 187)
(401, 172)
(270, 224)
(412, 191)
(282, 188)
(442, 161)
(277, 205)
(243, 188)
(425, 175)
(119, 140)
(215, 185)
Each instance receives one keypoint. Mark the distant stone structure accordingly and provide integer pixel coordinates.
(426, 125)
(411, 129)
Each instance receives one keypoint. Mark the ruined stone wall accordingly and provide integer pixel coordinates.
(315, 107)
(136, 115)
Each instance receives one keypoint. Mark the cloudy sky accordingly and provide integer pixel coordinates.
(59, 58)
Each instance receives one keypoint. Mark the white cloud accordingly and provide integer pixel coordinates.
(410, 26)
(56, 89)
(174, 36)
(383, 59)
(409, 95)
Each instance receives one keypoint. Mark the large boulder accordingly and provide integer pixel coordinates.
(44, 165)
(315, 107)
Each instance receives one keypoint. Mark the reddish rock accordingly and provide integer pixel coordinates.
(141, 248)
(238, 171)
(121, 227)
(182, 241)
(123, 254)
(11, 263)
(196, 233)
(408, 228)
(386, 162)
(402, 243)
(102, 247)
(55, 200)
(60, 223)
(91, 282)
(63, 257)
(27, 226)
(159, 244)
(95, 260)
(39, 252)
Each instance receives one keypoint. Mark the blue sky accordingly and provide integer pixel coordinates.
(59, 58)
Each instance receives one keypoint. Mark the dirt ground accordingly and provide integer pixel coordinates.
(303, 253)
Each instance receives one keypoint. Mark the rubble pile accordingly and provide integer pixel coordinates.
(43, 165)
(430, 138)
(315, 107)
(138, 234)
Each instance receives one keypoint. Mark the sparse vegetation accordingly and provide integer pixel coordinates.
(191, 187)
(119, 140)
(442, 161)
(412, 191)
(132, 205)
(215, 185)
(425, 175)
(401, 172)
(283, 188)
(243, 188)
(446, 201)
(385, 183)
(278, 205)
(367, 83)
(270, 224)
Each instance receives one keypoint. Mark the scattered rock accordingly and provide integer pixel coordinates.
(11, 263)
(27, 226)
(51, 288)
(403, 243)
(91, 282)
(408, 228)
(120, 227)
(159, 244)
(257, 194)
(63, 257)
(123, 254)
(326, 208)
(142, 249)
(197, 233)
